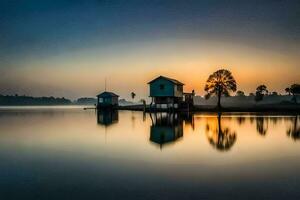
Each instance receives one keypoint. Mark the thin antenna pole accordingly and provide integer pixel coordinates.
(105, 85)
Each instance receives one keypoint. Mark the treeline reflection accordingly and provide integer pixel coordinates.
(168, 128)
(294, 129)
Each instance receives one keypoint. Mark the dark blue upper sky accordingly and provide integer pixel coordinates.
(52, 26)
(36, 35)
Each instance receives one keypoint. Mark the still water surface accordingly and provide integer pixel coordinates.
(69, 153)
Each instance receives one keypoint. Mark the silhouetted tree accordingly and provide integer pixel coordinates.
(262, 89)
(133, 95)
(260, 92)
(251, 94)
(288, 91)
(240, 93)
(220, 83)
(274, 93)
(295, 90)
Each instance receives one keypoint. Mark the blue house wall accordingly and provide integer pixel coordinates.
(161, 88)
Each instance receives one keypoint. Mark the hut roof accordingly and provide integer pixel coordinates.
(166, 78)
(107, 94)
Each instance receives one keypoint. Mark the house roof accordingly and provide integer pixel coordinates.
(107, 94)
(168, 79)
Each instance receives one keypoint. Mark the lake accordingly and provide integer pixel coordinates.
(71, 153)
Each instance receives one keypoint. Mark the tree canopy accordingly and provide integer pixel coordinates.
(220, 83)
(261, 90)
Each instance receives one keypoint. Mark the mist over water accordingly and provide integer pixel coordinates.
(66, 152)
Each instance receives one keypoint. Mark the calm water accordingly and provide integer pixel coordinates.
(69, 153)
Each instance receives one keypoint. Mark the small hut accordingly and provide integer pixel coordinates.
(107, 99)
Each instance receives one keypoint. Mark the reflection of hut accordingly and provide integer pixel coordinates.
(107, 117)
(166, 92)
(107, 99)
(166, 128)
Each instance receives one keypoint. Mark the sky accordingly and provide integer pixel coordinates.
(67, 48)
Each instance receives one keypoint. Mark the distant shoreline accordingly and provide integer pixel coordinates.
(273, 104)
(270, 109)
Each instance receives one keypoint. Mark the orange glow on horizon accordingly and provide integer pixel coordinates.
(190, 61)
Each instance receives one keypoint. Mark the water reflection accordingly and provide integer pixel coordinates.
(220, 131)
(51, 153)
(275, 120)
(188, 119)
(165, 128)
(261, 125)
(241, 120)
(221, 138)
(107, 117)
(294, 130)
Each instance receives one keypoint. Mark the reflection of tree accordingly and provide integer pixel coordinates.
(294, 130)
(133, 119)
(251, 119)
(144, 116)
(274, 120)
(221, 138)
(261, 126)
(241, 120)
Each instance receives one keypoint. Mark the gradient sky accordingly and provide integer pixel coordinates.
(68, 47)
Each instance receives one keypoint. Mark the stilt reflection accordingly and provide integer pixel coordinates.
(165, 128)
(169, 128)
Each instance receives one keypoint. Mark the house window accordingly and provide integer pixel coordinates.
(162, 86)
(100, 100)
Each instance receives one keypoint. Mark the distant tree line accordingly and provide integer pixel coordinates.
(262, 91)
(222, 82)
(20, 100)
(11, 100)
(86, 101)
